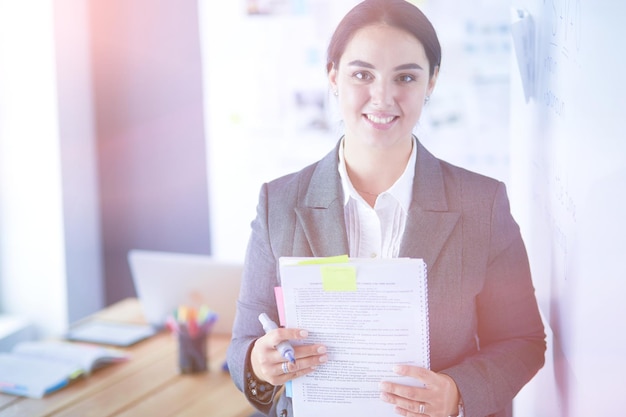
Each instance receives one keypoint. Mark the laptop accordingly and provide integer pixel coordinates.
(166, 280)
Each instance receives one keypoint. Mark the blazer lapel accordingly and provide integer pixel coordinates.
(320, 209)
(429, 222)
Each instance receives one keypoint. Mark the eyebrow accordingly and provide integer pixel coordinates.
(359, 63)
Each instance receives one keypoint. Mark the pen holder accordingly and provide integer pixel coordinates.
(192, 352)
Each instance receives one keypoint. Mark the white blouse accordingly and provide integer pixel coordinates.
(376, 232)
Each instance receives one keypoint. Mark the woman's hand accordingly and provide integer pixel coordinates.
(439, 398)
(267, 363)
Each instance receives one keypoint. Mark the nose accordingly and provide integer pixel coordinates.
(382, 94)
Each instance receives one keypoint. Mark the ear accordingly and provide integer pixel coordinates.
(432, 81)
(332, 76)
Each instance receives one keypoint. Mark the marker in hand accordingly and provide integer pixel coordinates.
(284, 347)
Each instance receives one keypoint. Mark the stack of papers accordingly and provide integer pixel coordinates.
(371, 315)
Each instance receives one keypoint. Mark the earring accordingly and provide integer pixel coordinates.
(336, 93)
(426, 99)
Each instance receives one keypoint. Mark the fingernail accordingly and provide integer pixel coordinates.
(304, 333)
(323, 358)
(398, 369)
(321, 349)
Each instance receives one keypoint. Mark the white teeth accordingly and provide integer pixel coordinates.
(380, 120)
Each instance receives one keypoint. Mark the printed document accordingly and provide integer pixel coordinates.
(371, 314)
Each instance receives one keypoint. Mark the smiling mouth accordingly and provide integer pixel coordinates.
(380, 120)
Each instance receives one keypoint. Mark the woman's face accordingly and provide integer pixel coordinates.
(382, 81)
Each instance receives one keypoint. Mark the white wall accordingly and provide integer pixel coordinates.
(81, 206)
(255, 131)
(31, 207)
(50, 249)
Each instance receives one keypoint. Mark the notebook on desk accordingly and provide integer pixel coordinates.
(165, 280)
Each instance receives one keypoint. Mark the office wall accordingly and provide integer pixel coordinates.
(267, 109)
(569, 171)
(102, 150)
(150, 132)
(32, 252)
(81, 211)
(50, 249)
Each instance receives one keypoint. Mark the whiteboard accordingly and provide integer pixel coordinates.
(569, 178)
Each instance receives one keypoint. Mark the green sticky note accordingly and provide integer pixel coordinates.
(338, 278)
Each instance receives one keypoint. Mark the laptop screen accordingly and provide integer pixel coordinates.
(166, 280)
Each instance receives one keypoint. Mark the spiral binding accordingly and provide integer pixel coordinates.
(426, 310)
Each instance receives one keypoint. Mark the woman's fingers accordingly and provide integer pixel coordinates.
(269, 365)
(438, 397)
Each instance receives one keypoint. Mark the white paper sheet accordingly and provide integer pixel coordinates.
(523, 32)
(372, 315)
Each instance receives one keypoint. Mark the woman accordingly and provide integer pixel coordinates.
(380, 193)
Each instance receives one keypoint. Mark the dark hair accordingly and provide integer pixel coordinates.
(396, 13)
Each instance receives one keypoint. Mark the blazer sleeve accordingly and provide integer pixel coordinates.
(510, 331)
(255, 297)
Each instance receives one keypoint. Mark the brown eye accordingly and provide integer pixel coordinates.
(362, 75)
(406, 78)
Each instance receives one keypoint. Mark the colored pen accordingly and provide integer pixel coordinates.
(192, 324)
(172, 324)
(284, 347)
(203, 313)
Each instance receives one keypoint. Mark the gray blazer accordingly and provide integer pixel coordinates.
(485, 327)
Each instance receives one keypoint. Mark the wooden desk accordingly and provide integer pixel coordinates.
(147, 385)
